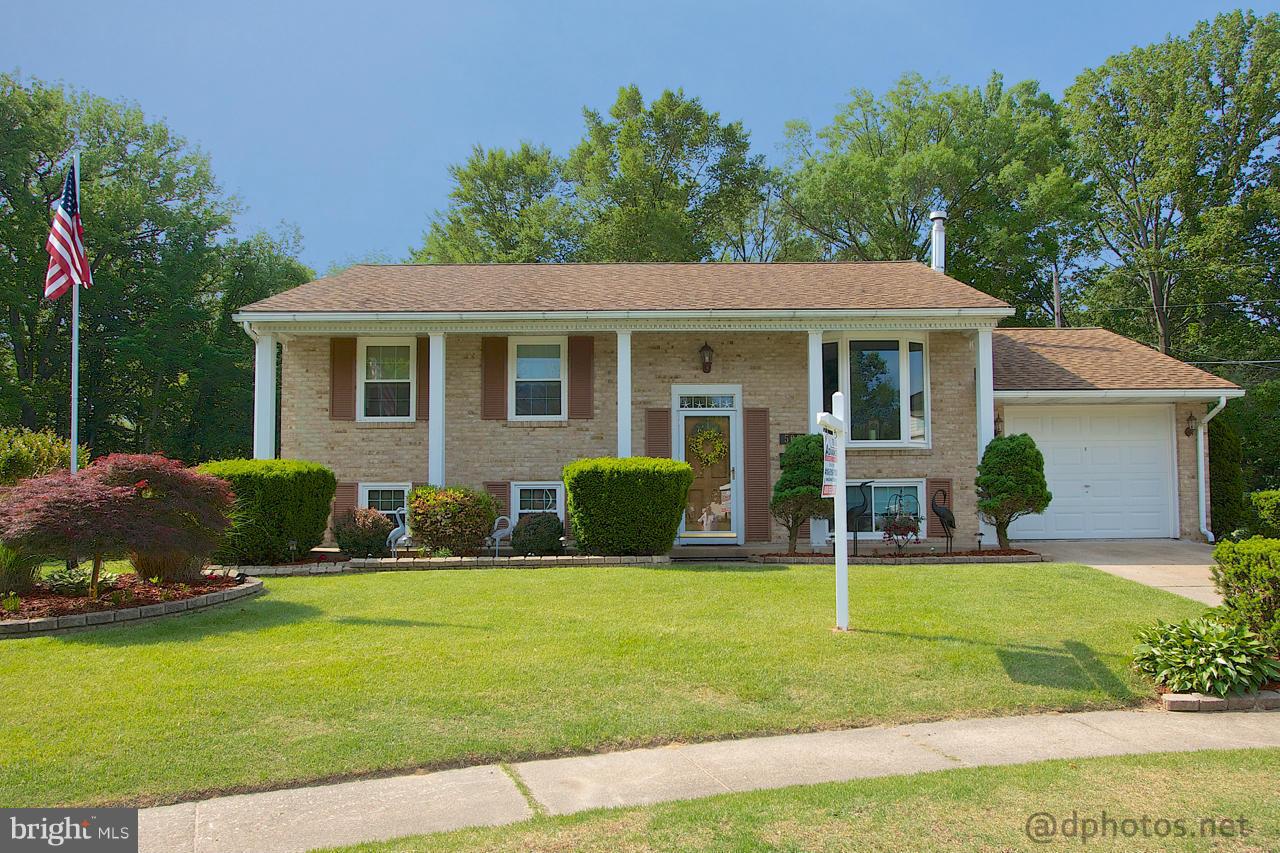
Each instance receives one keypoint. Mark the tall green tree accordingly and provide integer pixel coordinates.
(156, 322)
(506, 207)
(1172, 136)
(996, 157)
(661, 181)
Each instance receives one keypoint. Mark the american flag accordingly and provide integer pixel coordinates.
(68, 263)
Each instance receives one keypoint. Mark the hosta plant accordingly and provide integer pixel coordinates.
(1205, 656)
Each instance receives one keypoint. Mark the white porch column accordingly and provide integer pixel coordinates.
(986, 404)
(435, 411)
(624, 394)
(264, 396)
(817, 527)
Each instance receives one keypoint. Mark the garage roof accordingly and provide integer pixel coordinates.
(1086, 359)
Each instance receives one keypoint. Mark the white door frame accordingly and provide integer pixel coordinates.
(735, 455)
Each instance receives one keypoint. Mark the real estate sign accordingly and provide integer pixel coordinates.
(828, 464)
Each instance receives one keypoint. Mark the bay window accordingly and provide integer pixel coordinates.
(885, 380)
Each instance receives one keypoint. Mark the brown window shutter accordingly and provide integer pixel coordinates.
(755, 474)
(657, 433)
(422, 403)
(493, 379)
(342, 379)
(933, 487)
(582, 376)
(501, 492)
(344, 499)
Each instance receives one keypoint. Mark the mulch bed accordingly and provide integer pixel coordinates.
(985, 552)
(129, 591)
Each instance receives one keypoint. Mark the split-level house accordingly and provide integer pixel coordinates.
(496, 375)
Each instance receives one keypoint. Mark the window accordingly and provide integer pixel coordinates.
(384, 497)
(886, 386)
(385, 371)
(528, 498)
(869, 505)
(538, 386)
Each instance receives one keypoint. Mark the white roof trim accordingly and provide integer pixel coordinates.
(709, 314)
(1148, 395)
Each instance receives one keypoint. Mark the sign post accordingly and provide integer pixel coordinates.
(833, 486)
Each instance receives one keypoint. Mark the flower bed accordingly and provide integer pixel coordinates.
(127, 591)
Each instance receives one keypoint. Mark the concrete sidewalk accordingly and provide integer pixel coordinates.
(306, 818)
(1174, 565)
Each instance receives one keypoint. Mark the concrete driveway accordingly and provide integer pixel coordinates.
(1174, 565)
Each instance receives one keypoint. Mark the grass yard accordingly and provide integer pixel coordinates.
(335, 675)
(956, 811)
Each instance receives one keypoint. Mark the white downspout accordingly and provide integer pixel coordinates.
(1202, 437)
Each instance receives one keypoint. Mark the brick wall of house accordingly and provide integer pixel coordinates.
(771, 368)
(1188, 471)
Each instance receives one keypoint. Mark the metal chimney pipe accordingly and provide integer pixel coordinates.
(939, 240)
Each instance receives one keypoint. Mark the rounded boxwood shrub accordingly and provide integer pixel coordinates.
(539, 534)
(281, 509)
(453, 519)
(1205, 656)
(1247, 576)
(363, 533)
(629, 506)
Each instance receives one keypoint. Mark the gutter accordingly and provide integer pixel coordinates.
(702, 314)
(1202, 438)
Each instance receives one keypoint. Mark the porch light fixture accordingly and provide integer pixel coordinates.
(707, 353)
(1191, 426)
(999, 424)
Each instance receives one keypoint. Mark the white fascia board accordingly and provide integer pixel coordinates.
(815, 315)
(1153, 395)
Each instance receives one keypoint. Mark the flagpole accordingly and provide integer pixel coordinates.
(75, 347)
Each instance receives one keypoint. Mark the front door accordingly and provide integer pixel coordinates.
(707, 435)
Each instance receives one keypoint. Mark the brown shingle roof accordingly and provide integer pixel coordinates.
(630, 287)
(1089, 360)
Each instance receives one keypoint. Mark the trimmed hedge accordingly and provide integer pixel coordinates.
(454, 519)
(363, 532)
(281, 509)
(631, 506)
(1247, 575)
(538, 533)
(1266, 507)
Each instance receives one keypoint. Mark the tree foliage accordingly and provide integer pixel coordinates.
(797, 495)
(1011, 483)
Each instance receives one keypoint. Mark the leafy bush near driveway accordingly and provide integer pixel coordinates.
(539, 534)
(452, 518)
(18, 569)
(1247, 575)
(1266, 509)
(1011, 482)
(281, 508)
(1206, 656)
(626, 506)
(797, 496)
(33, 453)
(363, 533)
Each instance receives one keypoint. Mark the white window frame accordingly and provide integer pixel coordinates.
(362, 499)
(877, 535)
(563, 342)
(362, 348)
(514, 505)
(904, 342)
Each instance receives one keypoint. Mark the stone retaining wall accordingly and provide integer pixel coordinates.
(45, 626)
(394, 564)
(1264, 700)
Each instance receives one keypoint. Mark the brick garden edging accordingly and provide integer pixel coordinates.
(400, 564)
(47, 626)
(922, 559)
(1264, 700)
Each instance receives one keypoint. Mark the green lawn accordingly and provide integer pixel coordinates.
(959, 811)
(325, 676)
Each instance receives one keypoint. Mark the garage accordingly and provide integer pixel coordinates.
(1110, 468)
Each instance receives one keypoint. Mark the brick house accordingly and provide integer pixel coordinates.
(495, 376)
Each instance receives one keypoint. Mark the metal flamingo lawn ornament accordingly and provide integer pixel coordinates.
(945, 516)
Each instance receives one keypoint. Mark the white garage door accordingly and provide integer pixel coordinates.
(1110, 469)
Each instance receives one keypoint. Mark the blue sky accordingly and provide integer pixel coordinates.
(342, 118)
